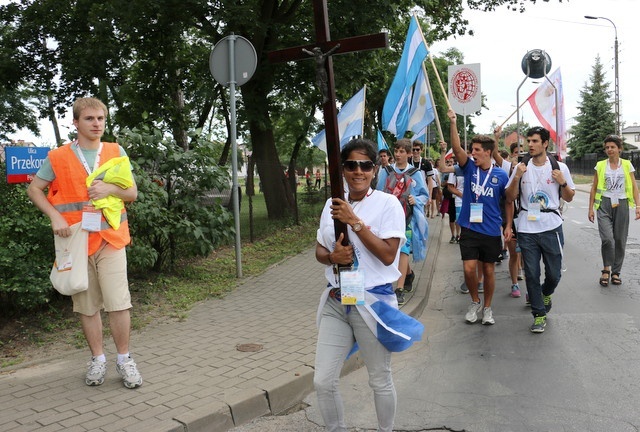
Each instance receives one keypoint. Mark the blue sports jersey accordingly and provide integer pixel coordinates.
(489, 196)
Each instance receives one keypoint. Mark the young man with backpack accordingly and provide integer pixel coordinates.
(538, 183)
(407, 183)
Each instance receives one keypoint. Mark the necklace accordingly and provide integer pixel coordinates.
(351, 201)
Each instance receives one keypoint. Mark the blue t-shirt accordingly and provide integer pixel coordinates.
(489, 196)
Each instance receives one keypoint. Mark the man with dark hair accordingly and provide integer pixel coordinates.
(423, 165)
(539, 188)
(480, 218)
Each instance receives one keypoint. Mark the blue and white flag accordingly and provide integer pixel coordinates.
(382, 143)
(395, 113)
(350, 121)
(421, 113)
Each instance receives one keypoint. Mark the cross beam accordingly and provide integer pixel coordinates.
(322, 51)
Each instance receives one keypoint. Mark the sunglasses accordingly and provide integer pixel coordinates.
(416, 150)
(352, 165)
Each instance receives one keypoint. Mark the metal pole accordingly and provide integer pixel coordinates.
(234, 154)
(615, 68)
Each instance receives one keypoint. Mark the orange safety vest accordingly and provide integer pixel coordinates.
(68, 194)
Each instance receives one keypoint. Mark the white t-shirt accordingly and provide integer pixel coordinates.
(506, 166)
(537, 185)
(615, 181)
(458, 182)
(384, 216)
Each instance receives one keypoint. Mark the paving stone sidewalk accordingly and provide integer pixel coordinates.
(195, 376)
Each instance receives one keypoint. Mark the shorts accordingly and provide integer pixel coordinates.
(406, 248)
(108, 283)
(478, 246)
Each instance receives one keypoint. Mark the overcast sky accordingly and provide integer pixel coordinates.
(502, 38)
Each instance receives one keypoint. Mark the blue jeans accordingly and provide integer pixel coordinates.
(548, 246)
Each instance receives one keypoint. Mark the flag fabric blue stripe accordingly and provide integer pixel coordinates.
(382, 143)
(395, 113)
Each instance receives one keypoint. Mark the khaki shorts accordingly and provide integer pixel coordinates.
(108, 284)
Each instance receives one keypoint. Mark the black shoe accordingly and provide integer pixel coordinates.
(408, 282)
(500, 258)
(400, 297)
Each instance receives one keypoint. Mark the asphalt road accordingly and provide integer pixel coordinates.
(581, 374)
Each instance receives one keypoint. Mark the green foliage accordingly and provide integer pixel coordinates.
(596, 118)
(172, 215)
(26, 254)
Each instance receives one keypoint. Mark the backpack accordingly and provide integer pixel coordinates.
(554, 166)
(399, 185)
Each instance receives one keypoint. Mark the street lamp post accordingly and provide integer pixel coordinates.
(616, 81)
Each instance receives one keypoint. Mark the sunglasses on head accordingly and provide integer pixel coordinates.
(352, 165)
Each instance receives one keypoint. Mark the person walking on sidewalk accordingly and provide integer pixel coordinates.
(359, 303)
(64, 173)
(538, 187)
(407, 183)
(480, 219)
(614, 191)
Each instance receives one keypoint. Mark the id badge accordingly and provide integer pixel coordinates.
(533, 212)
(614, 201)
(352, 287)
(476, 213)
(91, 218)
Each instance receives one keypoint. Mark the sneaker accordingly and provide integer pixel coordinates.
(487, 316)
(526, 299)
(400, 297)
(547, 302)
(457, 239)
(453, 240)
(500, 258)
(515, 291)
(408, 282)
(472, 312)
(464, 289)
(520, 275)
(128, 370)
(539, 323)
(505, 253)
(96, 372)
(480, 287)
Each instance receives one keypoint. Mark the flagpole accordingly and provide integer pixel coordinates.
(433, 102)
(515, 111)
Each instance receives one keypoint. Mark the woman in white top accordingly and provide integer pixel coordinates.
(614, 191)
(365, 268)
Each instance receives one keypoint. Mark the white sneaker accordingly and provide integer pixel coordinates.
(487, 316)
(128, 370)
(480, 287)
(96, 372)
(472, 312)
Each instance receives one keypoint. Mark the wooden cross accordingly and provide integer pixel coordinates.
(321, 51)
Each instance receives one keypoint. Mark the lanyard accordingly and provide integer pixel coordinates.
(96, 164)
(480, 189)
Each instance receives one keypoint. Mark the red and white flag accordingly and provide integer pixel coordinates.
(543, 103)
(449, 154)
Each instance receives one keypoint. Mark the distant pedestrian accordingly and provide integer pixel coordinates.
(318, 184)
(539, 186)
(614, 191)
(64, 175)
(360, 277)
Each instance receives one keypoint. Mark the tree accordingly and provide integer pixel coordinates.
(147, 59)
(595, 119)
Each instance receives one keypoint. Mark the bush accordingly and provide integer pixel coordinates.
(27, 251)
(170, 217)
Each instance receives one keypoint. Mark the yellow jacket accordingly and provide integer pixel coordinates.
(115, 171)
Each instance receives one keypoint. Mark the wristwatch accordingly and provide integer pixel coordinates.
(357, 226)
(563, 184)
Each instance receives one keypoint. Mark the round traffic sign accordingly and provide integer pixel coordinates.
(244, 65)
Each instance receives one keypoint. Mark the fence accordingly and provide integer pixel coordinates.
(586, 164)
